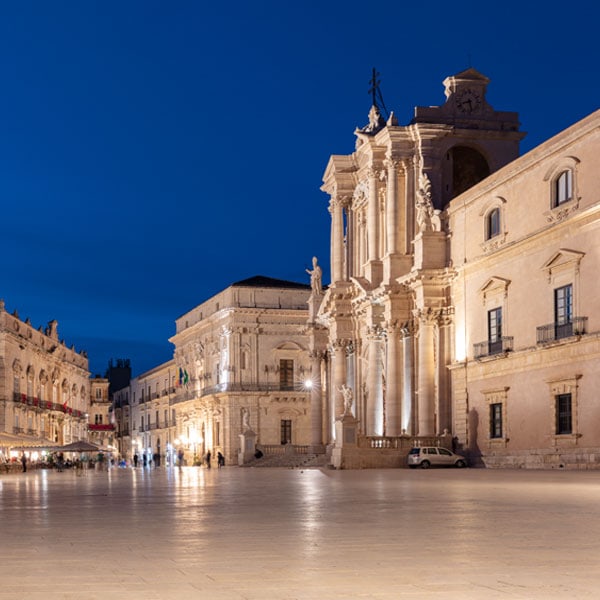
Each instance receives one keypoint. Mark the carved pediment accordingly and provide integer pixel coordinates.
(564, 259)
(494, 286)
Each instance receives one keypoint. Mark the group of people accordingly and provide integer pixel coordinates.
(155, 458)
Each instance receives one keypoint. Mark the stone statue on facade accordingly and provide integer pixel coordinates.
(428, 218)
(348, 396)
(245, 419)
(316, 276)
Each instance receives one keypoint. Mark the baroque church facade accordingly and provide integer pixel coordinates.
(462, 310)
(463, 301)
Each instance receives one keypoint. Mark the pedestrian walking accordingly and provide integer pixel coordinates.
(136, 458)
(220, 460)
(208, 460)
(24, 462)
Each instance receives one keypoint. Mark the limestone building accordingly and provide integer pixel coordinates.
(242, 359)
(152, 416)
(240, 369)
(525, 251)
(462, 297)
(101, 427)
(44, 385)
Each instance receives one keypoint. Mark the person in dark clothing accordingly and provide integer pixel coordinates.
(208, 460)
(135, 459)
(24, 462)
(220, 460)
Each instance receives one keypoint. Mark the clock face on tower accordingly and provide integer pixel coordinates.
(468, 101)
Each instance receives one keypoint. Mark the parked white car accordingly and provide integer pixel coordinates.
(428, 456)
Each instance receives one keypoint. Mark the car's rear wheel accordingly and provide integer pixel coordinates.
(461, 464)
(425, 464)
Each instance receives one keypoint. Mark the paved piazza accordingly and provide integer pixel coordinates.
(261, 534)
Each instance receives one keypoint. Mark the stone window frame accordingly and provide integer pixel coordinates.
(559, 211)
(557, 387)
(497, 396)
(493, 242)
(562, 269)
(494, 295)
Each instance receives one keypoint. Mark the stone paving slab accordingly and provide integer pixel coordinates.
(289, 534)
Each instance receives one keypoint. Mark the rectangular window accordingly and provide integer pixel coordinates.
(493, 223)
(564, 414)
(218, 433)
(286, 431)
(495, 331)
(564, 187)
(496, 420)
(157, 420)
(166, 417)
(286, 374)
(98, 394)
(563, 311)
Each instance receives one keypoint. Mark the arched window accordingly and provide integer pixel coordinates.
(563, 191)
(493, 223)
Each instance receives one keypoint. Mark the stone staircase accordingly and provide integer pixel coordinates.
(291, 461)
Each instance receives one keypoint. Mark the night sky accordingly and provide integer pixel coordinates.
(152, 153)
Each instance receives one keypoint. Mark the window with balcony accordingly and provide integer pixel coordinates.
(563, 311)
(494, 331)
(286, 374)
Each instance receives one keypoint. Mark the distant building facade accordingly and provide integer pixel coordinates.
(242, 360)
(101, 427)
(240, 367)
(44, 385)
(463, 304)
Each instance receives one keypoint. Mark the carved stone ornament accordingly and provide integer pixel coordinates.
(428, 219)
(560, 213)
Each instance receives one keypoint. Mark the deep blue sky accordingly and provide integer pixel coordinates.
(152, 153)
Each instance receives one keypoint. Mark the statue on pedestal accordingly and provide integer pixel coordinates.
(346, 392)
(316, 276)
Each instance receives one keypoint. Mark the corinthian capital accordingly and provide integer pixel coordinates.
(427, 316)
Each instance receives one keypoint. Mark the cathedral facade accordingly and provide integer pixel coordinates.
(462, 292)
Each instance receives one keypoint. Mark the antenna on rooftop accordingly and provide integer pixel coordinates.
(375, 92)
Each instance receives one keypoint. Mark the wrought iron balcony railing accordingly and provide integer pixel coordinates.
(491, 348)
(558, 331)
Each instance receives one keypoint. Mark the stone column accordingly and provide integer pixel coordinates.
(407, 380)
(392, 228)
(373, 218)
(426, 375)
(338, 377)
(316, 402)
(393, 394)
(337, 239)
(374, 424)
